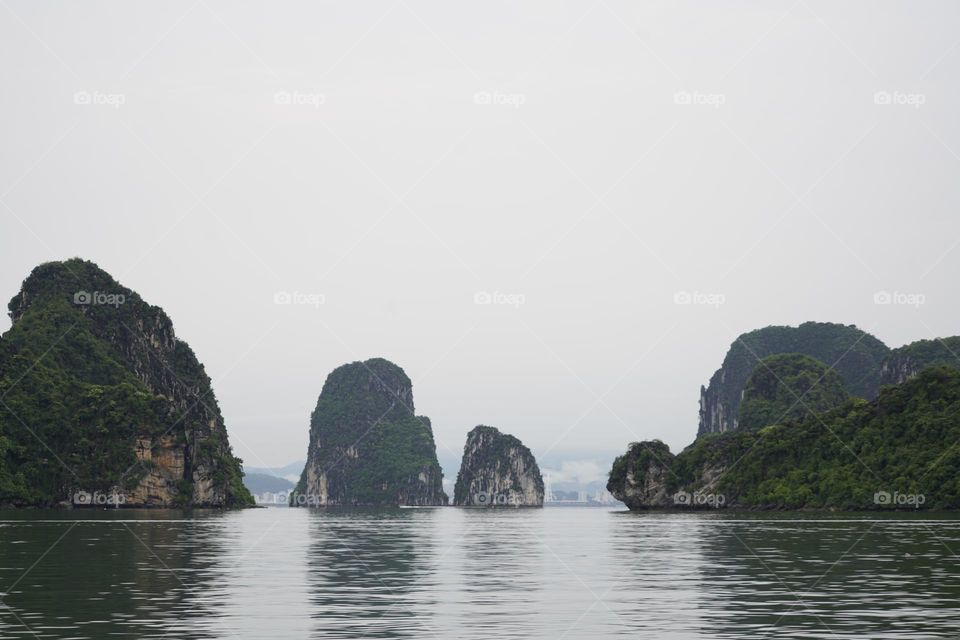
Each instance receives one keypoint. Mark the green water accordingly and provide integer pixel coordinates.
(444, 573)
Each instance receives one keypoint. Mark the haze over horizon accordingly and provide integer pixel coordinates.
(581, 164)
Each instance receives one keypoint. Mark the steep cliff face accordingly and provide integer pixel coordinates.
(892, 452)
(100, 397)
(367, 446)
(852, 353)
(641, 477)
(497, 471)
(906, 362)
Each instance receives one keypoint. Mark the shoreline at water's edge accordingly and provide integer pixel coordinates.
(778, 510)
(151, 507)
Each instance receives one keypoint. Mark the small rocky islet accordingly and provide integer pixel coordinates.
(497, 471)
(368, 448)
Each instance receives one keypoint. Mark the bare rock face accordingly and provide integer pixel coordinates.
(648, 476)
(497, 471)
(641, 478)
(367, 446)
(135, 416)
(909, 360)
(166, 466)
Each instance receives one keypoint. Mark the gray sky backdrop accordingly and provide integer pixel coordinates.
(588, 159)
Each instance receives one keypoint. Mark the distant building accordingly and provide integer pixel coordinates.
(604, 497)
(572, 494)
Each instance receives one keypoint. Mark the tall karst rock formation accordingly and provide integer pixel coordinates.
(100, 401)
(497, 471)
(367, 446)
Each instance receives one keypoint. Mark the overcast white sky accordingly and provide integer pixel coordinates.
(433, 150)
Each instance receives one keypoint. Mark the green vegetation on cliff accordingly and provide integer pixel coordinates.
(789, 387)
(904, 443)
(644, 476)
(88, 368)
(854, 354)
(366, 445)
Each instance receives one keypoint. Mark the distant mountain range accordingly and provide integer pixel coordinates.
(289, 472)
(258, 483)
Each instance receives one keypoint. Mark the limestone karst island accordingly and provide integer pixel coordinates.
(803, 418)
(109, 407)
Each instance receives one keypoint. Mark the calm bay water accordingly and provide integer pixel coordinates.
(549, 573)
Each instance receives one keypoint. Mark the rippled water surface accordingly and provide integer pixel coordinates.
(455, 573)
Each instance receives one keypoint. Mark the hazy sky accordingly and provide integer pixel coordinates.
(584, 161)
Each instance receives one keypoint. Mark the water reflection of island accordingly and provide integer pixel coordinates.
(364, 567)
(133, 570)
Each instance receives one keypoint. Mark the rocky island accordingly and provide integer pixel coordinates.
(497, 471)
(101, 403)
(367, 445)
(800, 434)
